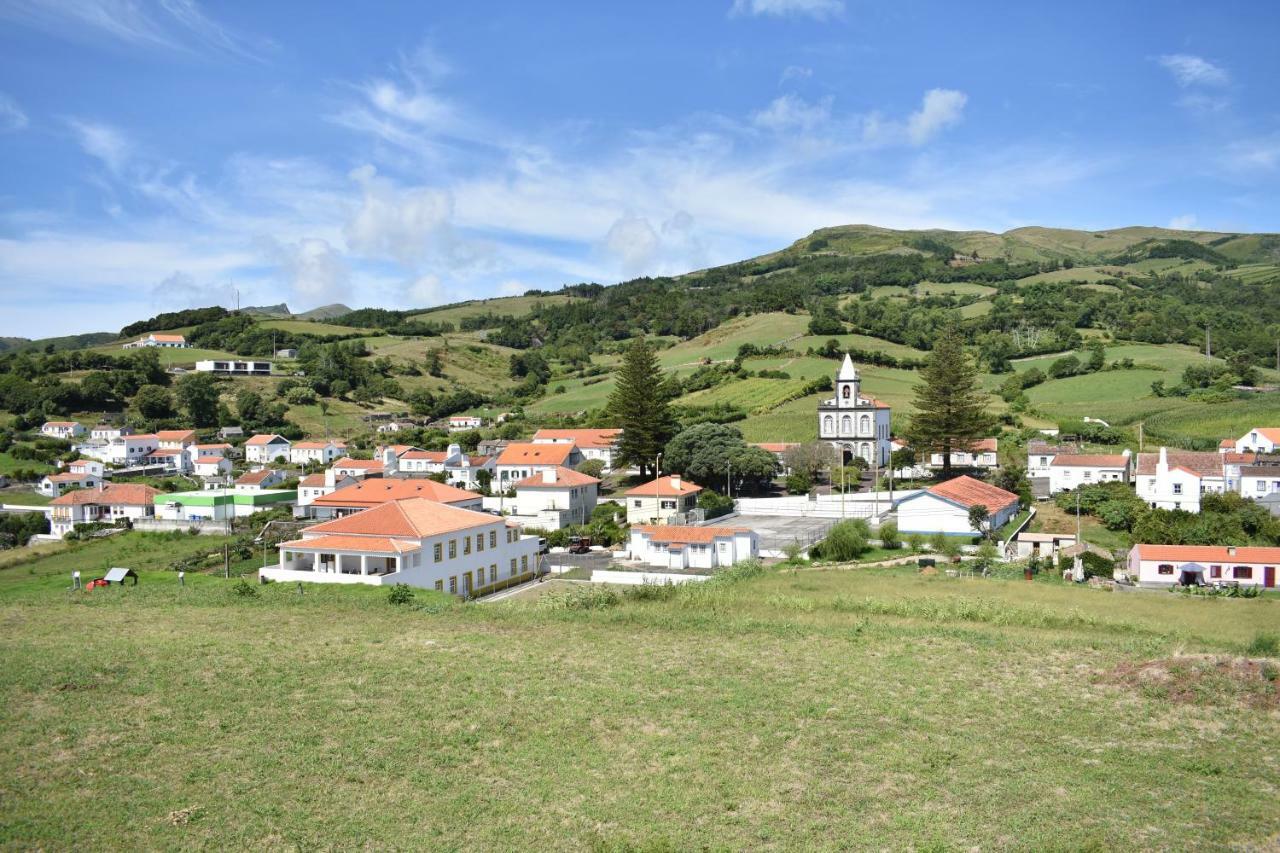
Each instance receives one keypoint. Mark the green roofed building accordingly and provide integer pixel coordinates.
(220, 504)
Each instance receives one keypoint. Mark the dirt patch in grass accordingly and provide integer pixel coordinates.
(1204, 679)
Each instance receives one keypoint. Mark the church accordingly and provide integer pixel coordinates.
(854, 422)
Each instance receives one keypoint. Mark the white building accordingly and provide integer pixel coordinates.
(319, 452)
(416, 542)
(599, 444)
(462, 423)
(126, 450)
(265, 449)
(92, 467)
(519, 460)
(220, 504)
(154, 340)
(556, 498)
(656, 501)
(172, 460)
(1192, 565)
(106, 503)
(983, 454)
(175, 439)
(53, 485)
(62, 429)
(370, 493)
(944, 508)
(235, 367)
(257, 481)
(1040, 456)
(320, 484)
(917, 471)
(358, 468)
(1258, 481)
(1258, 440)
(211, 467)
(394, 426)
(670, 546)
(854, 422)
(106, 432)
(1072, 470)
(1176, 479)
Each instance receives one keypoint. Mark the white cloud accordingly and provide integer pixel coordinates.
(941, 108)
(314, 270)
(104, 142)
(791, 111)
(512, 287)
(819, 9)
(425, 291)
(1254, 154)
(1188, 70)
(795, 72)
(11, 115)
(405, 225)
(1185, 222)
(632, 241)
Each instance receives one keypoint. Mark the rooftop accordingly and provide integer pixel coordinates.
(673, 533)
(373, 492)
(528, 453)
(968, 492)
(1208, 553)
(116, 494)
(666, 487)
(564, 477)
(592, 438)
(416, 517)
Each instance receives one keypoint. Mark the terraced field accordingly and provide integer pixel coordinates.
(311, 327)
(954, 288)
(1253, 273)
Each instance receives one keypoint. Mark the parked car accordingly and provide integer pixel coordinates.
(580, 545)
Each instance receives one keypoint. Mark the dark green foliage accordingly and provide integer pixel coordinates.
(710, 454)
(951, 410)
(639, 405)
(174, 320)
(400, 594)
(17, 527)
(799, 483)
(847, 540)
(714, 504)
(197, 396)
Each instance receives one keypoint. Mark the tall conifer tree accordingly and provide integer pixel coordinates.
(951, 411)
(639, 404)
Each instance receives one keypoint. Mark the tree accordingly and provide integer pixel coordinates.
(1097, 356)
(810, 459)
(484, 479)
(847, 540)
(979, 517)
(592, 468)
(197, 393)
(251, 408)
(704, 453)
(639, 405)
(799, 483)
(889, 535)
(153, 402)
(950, 409)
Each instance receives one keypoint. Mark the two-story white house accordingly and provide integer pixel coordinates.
(1072, 470)
(983, 454)
(416, 542)
(175, 439)
(656, 501)
(599, 444)
(53, 485)
(320, 484)
(1258, 440)
(555, 498)
(257, 481)
(519, 460)
(320, 452)
(856, 423)
(1177, 479)
(364, 494)
(62, 429)
(677, 547)
(105, 432)
(105, 503)
(265, 449)
(211, 467)
(1258, 481)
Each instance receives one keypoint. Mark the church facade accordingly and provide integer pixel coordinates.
(854, 422)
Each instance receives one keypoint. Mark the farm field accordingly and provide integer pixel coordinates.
(954, 288)
(516, 306)
(864, 342)
(1091, 275)
(8, 464)
(722, 342)
(781, 710)
(24, 497)
(311, 327)
(1251, 273)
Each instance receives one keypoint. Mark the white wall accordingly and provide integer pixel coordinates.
(1066, 477)
(930, 514)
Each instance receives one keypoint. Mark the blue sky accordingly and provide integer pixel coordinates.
(156, 155)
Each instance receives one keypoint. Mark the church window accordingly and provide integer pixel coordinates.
(827, 425)
(846, 425)
(865, 425)
(844, 392)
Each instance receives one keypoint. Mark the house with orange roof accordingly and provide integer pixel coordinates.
(265, 449)
(414, 541)
(357, 468)
(62, 429)
(175, 439)
(320, 452)
(54, 485)
(599, 444)
(556, 497)
(462, 423)
(1258, 440)
(103, 503)
(658, 500)
(944, 508)
(158, 340)
(671, 546)
(320, 484)
(106, 432)
(373, 492)
(521, 459)
(93, 467)
(1195, 565)
(211, 467)
(1069, 471)
(256, 481)
(122, 450)
(855, 423)
(1176, 479)
(169, 458)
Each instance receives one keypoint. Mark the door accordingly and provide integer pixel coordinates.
(466, 584)
(1269, 576)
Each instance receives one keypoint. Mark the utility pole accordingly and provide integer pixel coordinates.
(1077, 565)
(1140, 436)
(875, 482)
(1208, 343)
(728, 480)
(657, 487)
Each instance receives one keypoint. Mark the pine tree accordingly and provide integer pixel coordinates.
(951, 411)
(639, 405)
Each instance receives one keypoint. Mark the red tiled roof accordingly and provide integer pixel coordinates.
(253, 478)
(167, 451)
(968, 492)
(360, 464)
(175, 435)
(220, 445)
(259, 440)
(428, 455)
(173, 339)
(686, 535)
(563, 477)
(312, 480)
(665, 487)
(1208, 553)
(65, 478)
(1271, 434)
(1238, 457)
(527, 453)
(1201, 463)
(373, 492)
(117, 494)
(313, 445)
(597, 439)
(416, 517)
(210, 460)
(60, 423)
(775, 446)
(1226, 442)
(1103, 460)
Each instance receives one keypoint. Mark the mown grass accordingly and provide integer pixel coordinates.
(799, 711)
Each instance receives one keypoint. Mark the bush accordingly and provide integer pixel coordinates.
(244, 589)
(889, 535)
(915, 542)
(799, 483)
(400, 594)
(847, 540)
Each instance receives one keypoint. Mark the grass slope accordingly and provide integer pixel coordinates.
(785, 711)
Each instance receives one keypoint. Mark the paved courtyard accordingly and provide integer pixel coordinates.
(778, 531)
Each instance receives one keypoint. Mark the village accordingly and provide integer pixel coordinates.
(560, 503)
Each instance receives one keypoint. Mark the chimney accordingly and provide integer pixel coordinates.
(1231, 550)
(549, 476)
(1162, 467)
(330, 479)
(675, 482)
(453, 450)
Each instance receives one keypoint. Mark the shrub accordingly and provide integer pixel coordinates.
(847, 540)
(915, 542)
(1264, 644)
(244, 589)
(400, 594)
(799, 483)
(889, 535)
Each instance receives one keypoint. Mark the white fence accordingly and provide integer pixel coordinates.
(638, 578)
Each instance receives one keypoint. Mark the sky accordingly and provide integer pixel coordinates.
(165, 154)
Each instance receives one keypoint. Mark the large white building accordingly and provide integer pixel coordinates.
(556, 498)
(944, 508)
(62, 429)
(235, 367)
(105, 503)
(1192, 565)
(679, 547)
(1040, 456)
(416, 542)
(1177, 479)
(264, 449)
(1072, 470)
(319, 452)
(524, 459)
(154, 340)
(854, 422)
(599, 444)
(53, 485)
(370, 493)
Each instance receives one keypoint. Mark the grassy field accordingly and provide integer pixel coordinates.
(1253, 273)
(953, 288)
(8, 464)
(24, 497)
(310, 327)
(1214, 421)
(785, 711)
(722, 342)
(516, 306)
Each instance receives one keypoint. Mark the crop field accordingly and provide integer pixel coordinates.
(864, 342)
(762, 710)
(752, 394)
(1253, 273)
(981, 308)
(1211, 422)
(1122, 397)
(579, 395)
(1090, 275)
(516, 306)
(722, 342)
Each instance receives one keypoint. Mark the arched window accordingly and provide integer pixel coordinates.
(846, 425)
(866, 451)
(844, 392)
(864, 426)
(827, 425)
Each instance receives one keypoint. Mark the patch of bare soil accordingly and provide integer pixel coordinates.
(1204, 679)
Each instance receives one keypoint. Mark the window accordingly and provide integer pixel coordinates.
(439, 586)
(417, 559)
(493, 572)
(437, 552)
(1177, 488)
(1242, 573)
(479, 542)
(480, 576)
(1088, 475)
(513, 567)
(668, 504)
(453, 548)
(1215, 571)
(493, 539)
(636, 504)
(1164, 569)
(453, 585)
(844, 392)
(466, 545)
(524, 563)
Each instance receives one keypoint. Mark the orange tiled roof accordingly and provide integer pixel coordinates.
(1208, 553)
(665, 487)
(528, 453)
(117, 494)
(563, 477)
(1204, 464)
(1271, 434)
(774, 446)
(410, 517)
(428, 455)
(172, 339)
(210, 460)
(60, 423)
(65, 478)
(373, 492)
(596, 439)
(313, 445)
(375, 544)
(253, 478)
(259, 440)
(312, 480)
(362, 464)
(175, 435)
(968, 492)
(687, 535)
